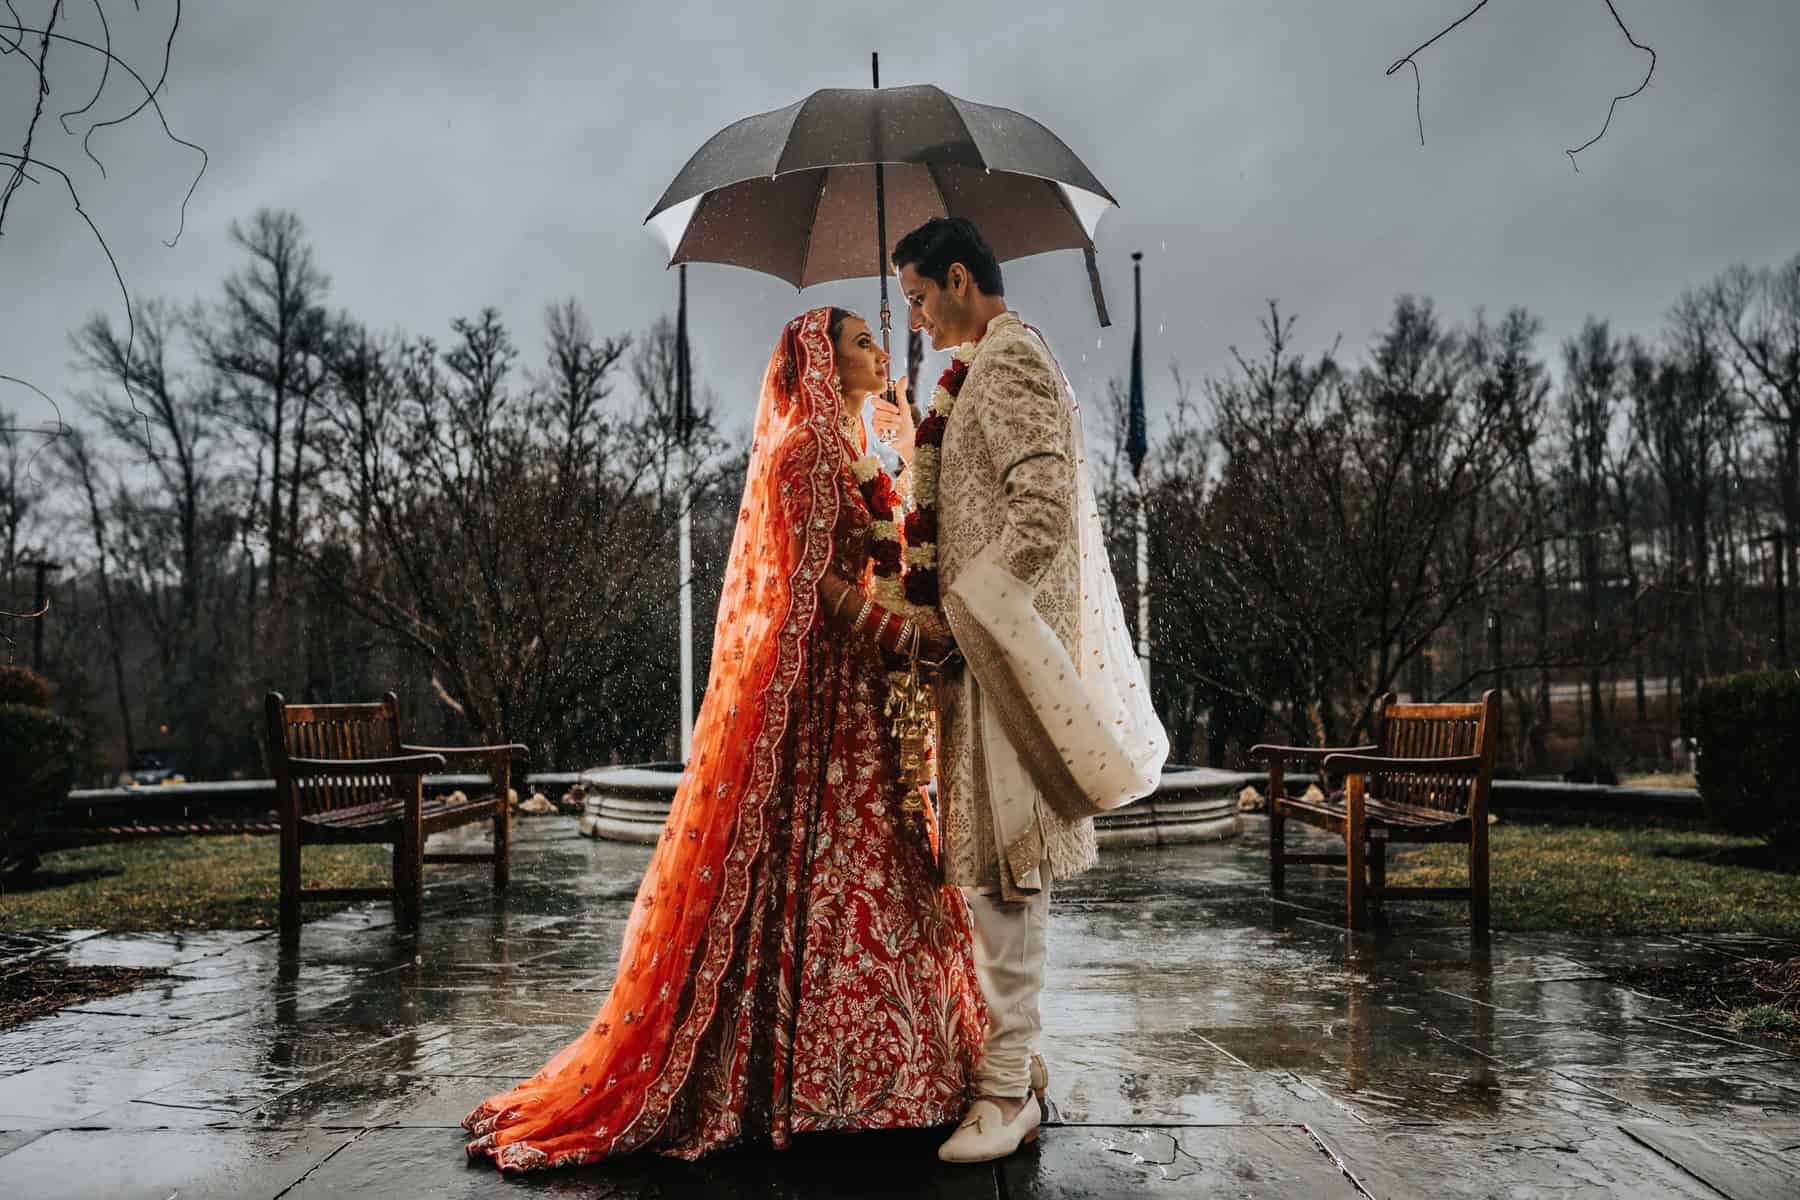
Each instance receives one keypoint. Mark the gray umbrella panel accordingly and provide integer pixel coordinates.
(837, 127)
(815, 226)
(791, 193)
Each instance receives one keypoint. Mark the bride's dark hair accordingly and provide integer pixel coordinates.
(836, 324)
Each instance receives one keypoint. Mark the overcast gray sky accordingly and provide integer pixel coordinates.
(451, 155)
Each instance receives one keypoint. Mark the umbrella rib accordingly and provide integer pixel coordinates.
(931, 173)
(812, 220)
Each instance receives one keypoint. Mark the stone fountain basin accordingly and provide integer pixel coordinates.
(1193, 804)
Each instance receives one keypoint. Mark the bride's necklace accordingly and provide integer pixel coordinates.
(849, 423)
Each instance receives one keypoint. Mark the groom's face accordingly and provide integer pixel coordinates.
(939, 311)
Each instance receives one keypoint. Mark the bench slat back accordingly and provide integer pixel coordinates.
(1437, 731)
(333, 731)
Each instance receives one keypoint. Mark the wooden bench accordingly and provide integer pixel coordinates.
(342, 775)
(1426, 779)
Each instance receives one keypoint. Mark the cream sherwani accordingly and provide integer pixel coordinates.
(1048, 723)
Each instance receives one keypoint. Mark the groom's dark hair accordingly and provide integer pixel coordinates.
(933, 246)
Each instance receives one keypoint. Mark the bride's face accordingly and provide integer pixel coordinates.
(861, 365)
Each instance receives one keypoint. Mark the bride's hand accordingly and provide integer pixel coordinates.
(936, 642)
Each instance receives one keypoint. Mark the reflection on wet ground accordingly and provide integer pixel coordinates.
(1203, 1039)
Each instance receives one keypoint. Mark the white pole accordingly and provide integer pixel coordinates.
(1143, 576)
(687, 616)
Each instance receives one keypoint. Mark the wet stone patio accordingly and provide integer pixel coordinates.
(1203, 1040)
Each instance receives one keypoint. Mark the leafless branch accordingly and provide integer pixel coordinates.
(24, 159)
(1408, 59)
(18, 30)
(1626, 96)
(105, 74)
(149, 101)
(1418, 110)
(37, 112)
(124, 292)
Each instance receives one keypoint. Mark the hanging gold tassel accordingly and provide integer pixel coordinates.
(912, 707)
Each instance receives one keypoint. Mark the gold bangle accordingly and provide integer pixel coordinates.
(863, 616)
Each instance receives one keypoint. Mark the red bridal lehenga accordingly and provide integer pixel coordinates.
(790, 964)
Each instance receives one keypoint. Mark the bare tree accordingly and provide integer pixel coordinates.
(1592, 381)
(1338, 525)
(1756, 314)
(505, 534)
(268, 348)
(170, 516)
(1679, 400)
(76, 454)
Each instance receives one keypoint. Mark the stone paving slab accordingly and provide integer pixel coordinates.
(156, 1164)
(1272, 1161)
(1744, 1166)
(412, 1162)
(1448, 1162)
(68, 1092)
(1203, 1039)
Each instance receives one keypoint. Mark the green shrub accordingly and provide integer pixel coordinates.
(39, 755)
(1748, 732)
(22, 685)
(1765, 1019)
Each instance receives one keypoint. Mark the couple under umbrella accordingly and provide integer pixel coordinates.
(803, 955)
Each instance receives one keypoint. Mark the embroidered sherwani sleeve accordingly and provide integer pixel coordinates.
(1026, 425)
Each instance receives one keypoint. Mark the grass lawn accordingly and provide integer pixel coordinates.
(1659, 779)
(178, 883)
(1611, 877)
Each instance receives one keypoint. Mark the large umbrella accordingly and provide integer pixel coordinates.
(806, 193)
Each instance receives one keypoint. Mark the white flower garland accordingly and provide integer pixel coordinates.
(927, 460)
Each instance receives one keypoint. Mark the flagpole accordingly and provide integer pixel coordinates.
(683, 423)
(1143, 575)
(1137, 446)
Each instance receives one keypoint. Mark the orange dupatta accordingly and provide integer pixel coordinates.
(611, 1090)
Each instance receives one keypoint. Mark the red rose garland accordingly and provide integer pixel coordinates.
(879, 493)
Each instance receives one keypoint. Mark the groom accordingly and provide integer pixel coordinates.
(1022, 750)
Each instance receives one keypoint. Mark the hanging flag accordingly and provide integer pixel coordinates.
(1137, 434)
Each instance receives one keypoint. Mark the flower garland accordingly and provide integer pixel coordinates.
(921, 583)
(879, 493)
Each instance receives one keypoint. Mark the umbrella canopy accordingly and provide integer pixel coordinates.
(792, 193)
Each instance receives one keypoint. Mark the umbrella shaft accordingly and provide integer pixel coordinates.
(881, 260)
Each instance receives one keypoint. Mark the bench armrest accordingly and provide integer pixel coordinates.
(1359, 764)
(1305, 754)
(480, 756)
(406, 764)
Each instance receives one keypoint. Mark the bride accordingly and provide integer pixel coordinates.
(791, 964)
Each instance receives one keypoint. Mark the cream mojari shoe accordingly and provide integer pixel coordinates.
(1040, 1079)
(985, 1136)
